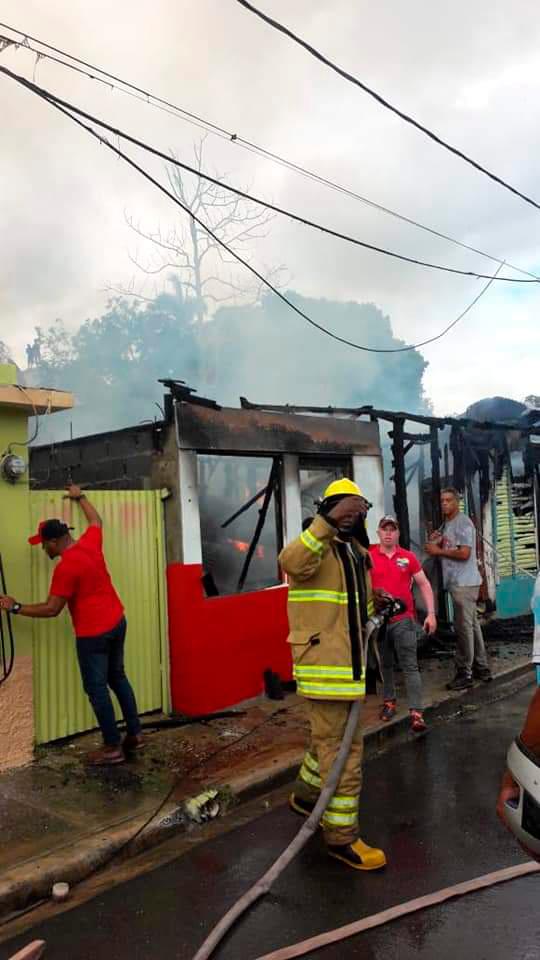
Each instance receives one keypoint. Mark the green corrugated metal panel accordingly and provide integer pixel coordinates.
(516, 534)
(525, 549)
(504, 530)
(133, 543)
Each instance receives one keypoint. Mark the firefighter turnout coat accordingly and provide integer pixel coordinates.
(330, 599)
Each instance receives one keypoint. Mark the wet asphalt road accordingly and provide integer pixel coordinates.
(429, 803)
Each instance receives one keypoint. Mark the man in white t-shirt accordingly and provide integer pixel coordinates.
(455, 544)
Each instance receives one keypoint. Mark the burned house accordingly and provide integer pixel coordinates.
(235, 485)
(225, 488)
(491, 455)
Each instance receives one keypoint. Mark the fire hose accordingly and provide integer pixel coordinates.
(308, 828)
(35, 949)
(264, 884)
(401, 910)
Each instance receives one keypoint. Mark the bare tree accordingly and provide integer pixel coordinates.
(5, 353)
(206, 271)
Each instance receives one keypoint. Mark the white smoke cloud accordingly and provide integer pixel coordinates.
(469, 73)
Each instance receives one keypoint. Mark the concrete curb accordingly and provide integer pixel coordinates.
(33, 881)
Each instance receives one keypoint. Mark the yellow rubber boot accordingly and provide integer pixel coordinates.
(359, 855)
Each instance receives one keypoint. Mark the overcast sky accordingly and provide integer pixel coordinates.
(469, 71)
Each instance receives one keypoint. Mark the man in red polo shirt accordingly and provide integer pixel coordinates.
(81, 579)
(393, 572)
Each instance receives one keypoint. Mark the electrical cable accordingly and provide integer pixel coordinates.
(52, 98)
(236, 255)
(26, 443)
(153, 100)
(6, 661)
(276, 25)
(186, 773)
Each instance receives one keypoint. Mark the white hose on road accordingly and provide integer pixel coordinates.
(33, 951)
(401, 910)
(308, 829)
(265, 882)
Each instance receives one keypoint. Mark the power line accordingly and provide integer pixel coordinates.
(384, 103)
(233, 252)
(51, 97)
(166, 106)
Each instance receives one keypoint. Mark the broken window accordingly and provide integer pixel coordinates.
(239, 503)
(315, 476)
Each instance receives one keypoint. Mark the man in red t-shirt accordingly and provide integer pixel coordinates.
(81, 580)
(393, 572)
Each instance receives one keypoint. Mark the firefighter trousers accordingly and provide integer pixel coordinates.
(327, 721)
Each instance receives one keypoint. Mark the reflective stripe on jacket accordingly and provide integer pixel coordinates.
(318, 610)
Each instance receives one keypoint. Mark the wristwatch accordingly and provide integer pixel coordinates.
(15, 608)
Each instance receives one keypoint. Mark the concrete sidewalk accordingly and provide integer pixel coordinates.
(59, 821)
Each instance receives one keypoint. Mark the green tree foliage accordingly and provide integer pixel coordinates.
(263, 351)
(5, 353)
(112, 364)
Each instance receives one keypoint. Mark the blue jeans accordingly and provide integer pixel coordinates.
(402, 636)
(101, 661)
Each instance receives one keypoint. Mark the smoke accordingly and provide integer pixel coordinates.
(264, 352)
(470, 73)
(270, 355)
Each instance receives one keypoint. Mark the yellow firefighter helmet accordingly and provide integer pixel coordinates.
(343, 488)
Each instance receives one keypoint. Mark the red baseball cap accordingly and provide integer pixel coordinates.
(49, 530)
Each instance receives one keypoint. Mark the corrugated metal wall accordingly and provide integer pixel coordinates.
(503, 526)
(133, 542)
(516, 534)
(517, 553)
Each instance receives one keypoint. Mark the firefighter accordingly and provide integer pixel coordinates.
(330, 601)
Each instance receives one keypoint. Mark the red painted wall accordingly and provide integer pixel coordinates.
(220, 646)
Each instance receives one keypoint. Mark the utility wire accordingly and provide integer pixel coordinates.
(233, 252)
(52, 98)
(129, 89)
(383, 102)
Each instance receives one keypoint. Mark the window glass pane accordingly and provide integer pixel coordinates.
(314, 479)
(226, 484)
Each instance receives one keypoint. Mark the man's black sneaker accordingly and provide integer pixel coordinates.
(461, 681)
(482, 673)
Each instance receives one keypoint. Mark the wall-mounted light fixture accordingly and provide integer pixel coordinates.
(12, 467)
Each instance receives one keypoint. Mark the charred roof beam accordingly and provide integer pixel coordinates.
(392, 416)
